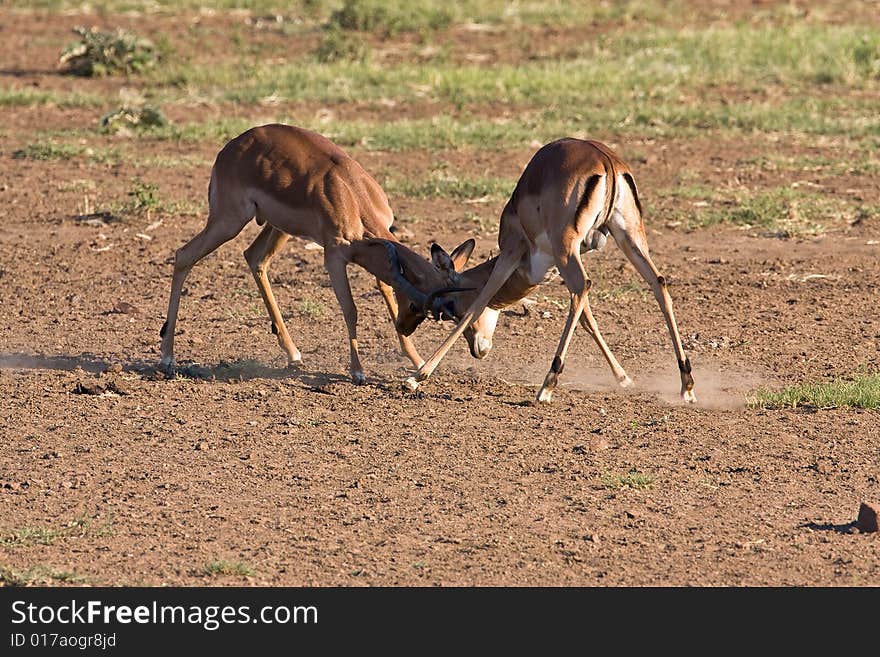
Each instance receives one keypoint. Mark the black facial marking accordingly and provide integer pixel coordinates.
(164, 329)
(557, 365)
(274, 329)
(685, 365)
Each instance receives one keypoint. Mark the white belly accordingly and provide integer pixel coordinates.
(541, 261)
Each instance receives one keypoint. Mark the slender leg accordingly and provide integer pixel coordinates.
(406, 345)
(215, 233)
(505, 266)
(339, 279)
(590, 325)
(572, 271)
(267, 244)
(631, 239)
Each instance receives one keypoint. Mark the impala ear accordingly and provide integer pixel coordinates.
(441, 259)
(462, 253)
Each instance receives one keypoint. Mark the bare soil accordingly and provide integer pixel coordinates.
(314, 481)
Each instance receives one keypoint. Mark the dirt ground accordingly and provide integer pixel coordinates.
(313, 481)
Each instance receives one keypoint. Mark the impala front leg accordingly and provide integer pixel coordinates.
(336, 267)
(406, 344)
(504, 268)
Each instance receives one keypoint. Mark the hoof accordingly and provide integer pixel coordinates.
(167, 368)
(689, 397)
(411, 384)
(625, 382)
(545, 396)
(358, 378)
(294, 361)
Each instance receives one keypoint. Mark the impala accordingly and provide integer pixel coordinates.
(296, 182)
(572, 194)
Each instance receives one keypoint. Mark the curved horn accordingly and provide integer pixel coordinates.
(399, 279)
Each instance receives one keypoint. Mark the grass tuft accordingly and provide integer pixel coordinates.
(388, 18)
(36, 576)
(217, 567)
(312, 309)
(863, 391)
(632, 479)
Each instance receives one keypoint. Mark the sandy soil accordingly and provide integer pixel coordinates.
(313, 481)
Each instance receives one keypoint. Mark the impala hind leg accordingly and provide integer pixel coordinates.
(572, 271)
(630, 236)
(590, 325)
(215, 233)
(258, 255)
(406, 345)
(336, 267)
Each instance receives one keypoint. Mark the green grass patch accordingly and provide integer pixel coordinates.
(37, 576)
(862, 391)
(621, 67)
(444, 184)
(632, 479)
(47, 535)
(29, 97)
(388, 17)
(48, 151)
(217, 567)
(784, 211)
(312, 309)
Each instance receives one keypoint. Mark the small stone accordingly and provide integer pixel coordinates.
(115, 368)
(868, 513)
(630, 514)
(599, 444)
(202, 446)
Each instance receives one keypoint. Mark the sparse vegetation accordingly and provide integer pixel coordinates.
(127, 118)
(862, 391)
(37, 576)
(48, 151)
(312, 309)
(340, 46)
(444, 184)
(100, 53)
(388, 18)
(632, 479)
(217, 567)
(47, 535)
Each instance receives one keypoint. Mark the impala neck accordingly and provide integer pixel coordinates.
(517, 286)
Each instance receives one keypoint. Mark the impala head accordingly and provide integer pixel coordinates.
(443, 286)
(423, 289)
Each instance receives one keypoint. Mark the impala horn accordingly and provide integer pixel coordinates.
(436, 305)
(400, 281)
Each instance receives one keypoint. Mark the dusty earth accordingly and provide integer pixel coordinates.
(309, 480)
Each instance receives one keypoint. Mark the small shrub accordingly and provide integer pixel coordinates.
(129, 118)
(143, 198)
(100, 53)
(340, 46)
(384, 17)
